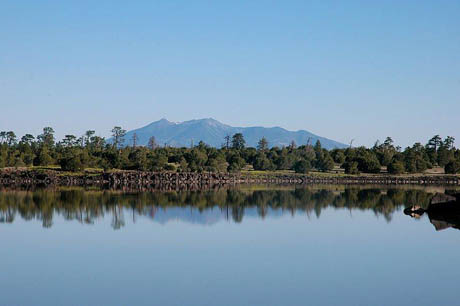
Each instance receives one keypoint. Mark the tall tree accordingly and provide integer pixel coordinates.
(134, 139)
(2, 136)
(238, 141)
(326, 163)
(11, 138)
(444, 154)
(449, 142)
(227, 141)
(43, 158)
(69, 141)
(317, 147)
(118, 135)
(88, 135)
(302, 166)
(435, 142)
(97, 143)
(388, 142)
(261, 162)
(318, 153)
(152, 144)
(47, 137)
(262, 145)
(27, 139)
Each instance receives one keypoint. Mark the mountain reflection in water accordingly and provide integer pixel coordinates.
(200, 207)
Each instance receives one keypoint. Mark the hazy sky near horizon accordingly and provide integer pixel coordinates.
(340, 69)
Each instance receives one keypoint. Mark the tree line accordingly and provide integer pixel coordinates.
(74, 153)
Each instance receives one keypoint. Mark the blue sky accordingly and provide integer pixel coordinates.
(341, 69)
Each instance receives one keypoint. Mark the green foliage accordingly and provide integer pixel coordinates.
(261, 162)
(338, 156)
(169, 167)
(262, 145)
(238, 141)
(3, 156)
(183, 165)
(452, 167)
(19, 161)
(139, 159)
(47, 137)
(118, 135)
(317, 147)
(396, 167)
(236, 163)
(73, 160)
(351, 167)
(285, 159)
(217, 163)
(325, 162)
(445, 155)
(75, 153)
(196, 159)
(385, 151)
(369, 164)
(361, 160)
(416, 159)
(302, 166)
(43, 158)
(157, 161)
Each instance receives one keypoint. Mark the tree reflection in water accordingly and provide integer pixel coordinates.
(86, 206)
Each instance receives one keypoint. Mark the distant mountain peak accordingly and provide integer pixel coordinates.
(162, 121)
(207, 120)
(213, 132)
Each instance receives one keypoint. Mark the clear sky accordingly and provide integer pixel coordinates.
(340, 69)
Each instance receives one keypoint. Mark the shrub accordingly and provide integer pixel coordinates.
(302, 166)
(351, 167)
(452, 167)
(170, 167)
(396, 167)
(71, 163)
(261, 162)
(326, 164)
(369, 164)
(73, 160)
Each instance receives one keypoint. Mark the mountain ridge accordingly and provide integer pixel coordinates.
(212, 132)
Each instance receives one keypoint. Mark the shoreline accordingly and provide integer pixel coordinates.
(193, 180)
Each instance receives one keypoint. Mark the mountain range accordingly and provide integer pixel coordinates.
(213, 132)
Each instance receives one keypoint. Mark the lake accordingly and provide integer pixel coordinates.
(249, 246)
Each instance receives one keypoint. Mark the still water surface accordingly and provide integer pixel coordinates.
(278, 246)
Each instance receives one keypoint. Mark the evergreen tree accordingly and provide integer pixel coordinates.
(262, 145)
(152, 144)
(302, 166)
(118, 135)
(452, 167)
(238, 141)
(43, 158)
(396, 167)
(47, 137)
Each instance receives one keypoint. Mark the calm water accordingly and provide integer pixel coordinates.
(228, 247)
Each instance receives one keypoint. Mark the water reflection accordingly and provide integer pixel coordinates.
(443, 211)
(206, 207)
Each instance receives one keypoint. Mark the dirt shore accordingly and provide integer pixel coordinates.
(174, 180)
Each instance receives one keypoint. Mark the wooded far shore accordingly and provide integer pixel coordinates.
(92, 152)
